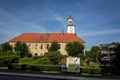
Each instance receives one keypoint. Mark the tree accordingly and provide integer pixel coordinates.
(54, 47)
(74, 49)
(8, 57)
(116, 61)
(94, 52)
(22, 48)
(54, 57)
(6, 47)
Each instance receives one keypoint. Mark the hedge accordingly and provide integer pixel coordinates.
(51, 68)
(35, 67)
(91, 70)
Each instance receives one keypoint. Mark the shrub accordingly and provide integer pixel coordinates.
(46, 68)
(8, 57)
(50, 68)
(25, 60)
(91, 71)
(15, 66)
(54, 57)
(42, 61)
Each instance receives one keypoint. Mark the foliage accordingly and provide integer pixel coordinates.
(21, 48)
(6, 58)
(42, 61)
(54, 57)
(74, 49)
(82, 57)
(6, 47)
(35, 67)
(91, 70)
(25, 60)
(94, 52)
(54, 47)
(116, 61)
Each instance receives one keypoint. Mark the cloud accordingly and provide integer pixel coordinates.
(103, 32)
(56, 16)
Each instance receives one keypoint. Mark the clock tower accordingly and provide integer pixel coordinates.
(70, 26)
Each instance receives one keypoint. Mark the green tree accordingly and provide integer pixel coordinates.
(54, 57)
(74, 49)
(116, 61)
(54, 47)
(94, 52)
(22, 48)
(8, 57)
(6, 47)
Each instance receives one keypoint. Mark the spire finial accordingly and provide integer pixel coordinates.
(70, 17)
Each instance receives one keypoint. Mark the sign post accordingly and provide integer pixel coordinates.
(73, 64)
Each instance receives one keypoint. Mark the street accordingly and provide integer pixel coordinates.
(30, 76)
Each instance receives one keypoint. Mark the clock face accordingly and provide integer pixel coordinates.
(71, 29)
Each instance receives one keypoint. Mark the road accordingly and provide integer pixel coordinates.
(30, 76)
(4, 77)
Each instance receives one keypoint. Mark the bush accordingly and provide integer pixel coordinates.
(15, 66)
(35, 67)
(42, 61)
(50, 68)
(54, 57)
(7, 58)
(25, 60)
(91, 71)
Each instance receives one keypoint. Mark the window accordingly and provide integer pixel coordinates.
(59, 46)
(41, 46)
(47, 46)
(36, 54)
(36, 46)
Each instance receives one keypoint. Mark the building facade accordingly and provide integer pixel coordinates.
(38, 43)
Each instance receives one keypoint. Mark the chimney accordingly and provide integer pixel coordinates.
(62, 32)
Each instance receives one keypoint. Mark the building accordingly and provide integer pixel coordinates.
(39, 43)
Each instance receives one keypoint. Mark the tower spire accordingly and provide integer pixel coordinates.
(70, 26)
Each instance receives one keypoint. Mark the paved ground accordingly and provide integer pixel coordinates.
(18, 76)
(4, 77)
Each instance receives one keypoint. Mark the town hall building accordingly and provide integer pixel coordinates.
(39, 43)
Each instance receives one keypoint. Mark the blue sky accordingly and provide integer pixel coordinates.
(96, 21)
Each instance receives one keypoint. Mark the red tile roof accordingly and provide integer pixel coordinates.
(47, 37)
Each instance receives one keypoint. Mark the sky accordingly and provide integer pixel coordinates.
(96, 21)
